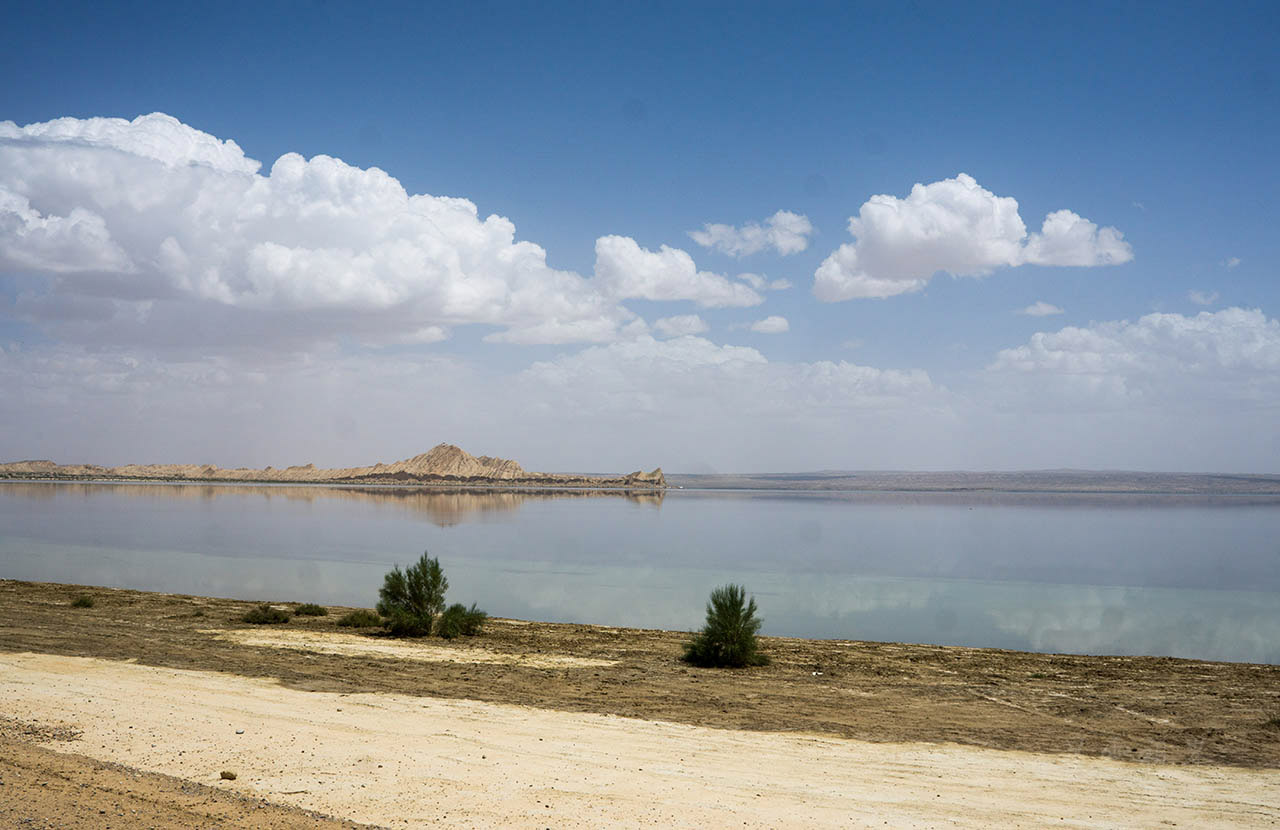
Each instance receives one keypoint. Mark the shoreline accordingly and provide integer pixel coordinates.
(1268, 489)
(444, 486)
(1174, 709)
(146, 695)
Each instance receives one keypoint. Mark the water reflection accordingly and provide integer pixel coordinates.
(443, 507)
(1179, 576)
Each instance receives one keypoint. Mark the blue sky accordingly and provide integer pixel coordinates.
(577, 123)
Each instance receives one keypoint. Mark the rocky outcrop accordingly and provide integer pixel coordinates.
(444, 464)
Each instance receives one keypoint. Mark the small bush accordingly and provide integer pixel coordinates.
(266, 615)
(411, 599)
(82, 601)
(227, 775)
(310, 609)
(460, 621)
(360, 619)
(729, 637)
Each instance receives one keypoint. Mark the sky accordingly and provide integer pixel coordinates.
(738, 237)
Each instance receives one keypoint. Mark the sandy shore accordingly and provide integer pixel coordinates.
(397, 760)
(124, 714)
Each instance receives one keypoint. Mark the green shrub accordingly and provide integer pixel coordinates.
(310, 609)
(411, 599)
(82, 601)
(360, 619)
(729, 636)
(265, 615)
(460, 621)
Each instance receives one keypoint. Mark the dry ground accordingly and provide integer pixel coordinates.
(1141, 711)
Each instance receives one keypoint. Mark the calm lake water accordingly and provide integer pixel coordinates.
(1185, 576)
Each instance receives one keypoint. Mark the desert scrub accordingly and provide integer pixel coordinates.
(310, 609)
(359, 619)
(729, 636)
(411, 599)
(265, 615)
(82, 601)
(460, 621)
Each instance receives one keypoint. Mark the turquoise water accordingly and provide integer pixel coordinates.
(1165, 575)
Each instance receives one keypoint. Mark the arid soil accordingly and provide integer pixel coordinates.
(41, 788)
(398, 760)
(443, 465)
(1141, 712)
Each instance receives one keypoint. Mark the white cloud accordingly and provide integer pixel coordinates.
(1040, 309)
(692, 374)
(625, 270)
(1232, 262)
(1213, 360)
(959, 227)
(77, 242)
(1068, 239)
(1202, 297)
(157, 136)
(784, 231)
(761, 283)
(116, 214)
(773, 324)
(680, 325)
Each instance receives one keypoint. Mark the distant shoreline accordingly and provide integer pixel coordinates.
(443, 465)
(1036, 481)
(1029, 483)
(444, 485)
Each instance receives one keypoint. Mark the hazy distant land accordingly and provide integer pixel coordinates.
(444, 464)
(1034, 481)
(449, 465)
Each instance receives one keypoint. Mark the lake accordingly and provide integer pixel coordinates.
(1176, 575)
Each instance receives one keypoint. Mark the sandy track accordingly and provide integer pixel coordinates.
(407, 761)
(416, 650)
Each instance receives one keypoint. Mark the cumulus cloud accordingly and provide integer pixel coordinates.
(1040, 309)
(1213, 359)
(680, 325)
(625, 270)
(959, 227)
(1202, 297)
(1232, 262)
(117, 213)
(1068, 239)
(773, 324)
(784, 231)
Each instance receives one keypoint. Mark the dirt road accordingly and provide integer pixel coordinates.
(397, 760)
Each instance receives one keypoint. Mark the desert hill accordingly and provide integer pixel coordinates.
(443, 464)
